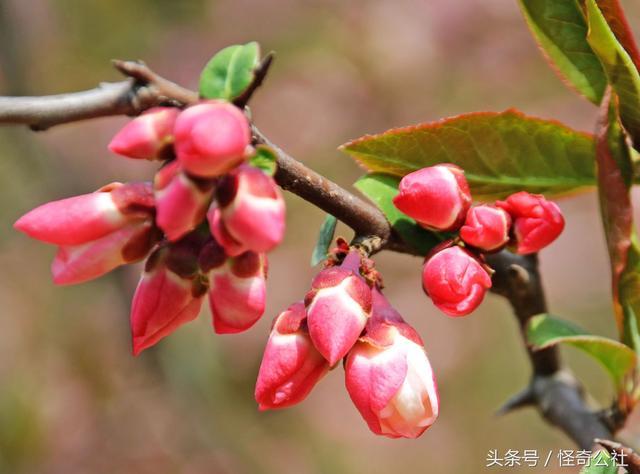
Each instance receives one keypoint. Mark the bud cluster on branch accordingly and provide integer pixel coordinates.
(455, 275)
(346, 316)
(205, 224)
(212, 213)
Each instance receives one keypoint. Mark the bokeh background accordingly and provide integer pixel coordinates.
(73, 399)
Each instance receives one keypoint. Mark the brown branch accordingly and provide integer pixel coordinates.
(556, 394)
(364, 218)
(143, 89)
(259, 75)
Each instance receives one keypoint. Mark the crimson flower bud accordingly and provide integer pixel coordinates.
(95, 232)
(237, 290)
(181, 201)
(437, 197)
(211, 138)
(169, 294)
(338, 307)
(252, 209)
(486, 228)
(291, 365)
(455, 281)
(389, 377)
(536, 221)
(147, 136)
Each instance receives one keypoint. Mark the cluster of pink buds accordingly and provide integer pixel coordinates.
(205, 223)
(455, 275)
(345, 317)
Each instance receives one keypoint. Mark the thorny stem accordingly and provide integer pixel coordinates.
(556, 394)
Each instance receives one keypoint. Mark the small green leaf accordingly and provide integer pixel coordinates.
(501, 153)
(228, 74)
(381, 189)
(619, 360)
(561, 31)
(600, 463)
(265, 159)
(325, 237)
(619, 67)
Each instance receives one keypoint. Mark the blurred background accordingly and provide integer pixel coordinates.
(73, 399)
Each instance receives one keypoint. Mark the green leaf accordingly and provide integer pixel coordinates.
(601, 463)
(381, 189)
(228, 74)
(325, 237)
(561, 31)
(619, 68)
(614, 14)
(501, 153)
(265, 159)
(618, 360)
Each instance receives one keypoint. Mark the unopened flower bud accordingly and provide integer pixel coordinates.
(291, 365)
(389, 377)
(437, 197)
(237, 293)
(169, 294)
(79, 263)
(148, 136)
(486, 228)
(252, 208)
(455, 281)
(95, 232)
(338, 307)
(81, 219)
(181, 201)
(536, 221)
(222, 235)
(211, 138)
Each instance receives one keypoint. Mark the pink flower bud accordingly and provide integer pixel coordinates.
(437, 197)
(220, 232)
(79, 263)
(211, 138)
(389, 377)
(164, 299)
(291, 365)
(338, 307)
(536, 221)
(147, 136)
(486, 228)
(81, 219)
(181, 201)
(237, 292)
(455, 281)
(252, 208)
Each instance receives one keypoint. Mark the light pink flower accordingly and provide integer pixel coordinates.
(338, 307)
(389, 377)
(211, 138)
(148, 136)
(291, 365)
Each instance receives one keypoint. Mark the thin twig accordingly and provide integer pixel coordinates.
(259, 75)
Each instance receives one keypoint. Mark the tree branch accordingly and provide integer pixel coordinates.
(143, 89)
(555, 393)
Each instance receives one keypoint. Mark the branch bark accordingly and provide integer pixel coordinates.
(556, 394)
